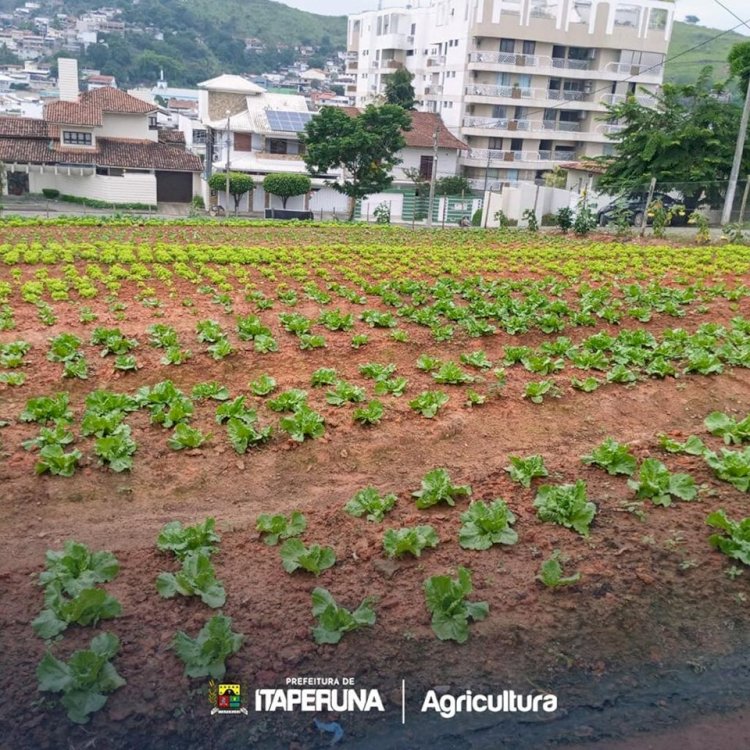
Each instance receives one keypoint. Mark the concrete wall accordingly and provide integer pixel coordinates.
(130, 188)
(447, 162)
(513, 201)
(394, 200)
(126, 126)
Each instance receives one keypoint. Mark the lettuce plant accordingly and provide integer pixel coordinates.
(55, 460)
(86, 607)
(612, 456)
(206, 654)
(731, 466)
(523, 470)
(303, 423)
(483, 525)
(567, 505)
(183, 541)
(414, 539)
(369, 414)
(551, 573)
(85, 679)
(437, 488)
(197, 578)
(314, 559)
(370, 503)
(656, 482)
(724, 426)
(428, 403)
(335, 620)
(276, 527)
(446, 602)
(733, 538)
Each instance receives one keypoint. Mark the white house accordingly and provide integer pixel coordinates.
(257, 132)
(102, 144)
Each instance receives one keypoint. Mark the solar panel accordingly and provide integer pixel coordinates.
(287, 122)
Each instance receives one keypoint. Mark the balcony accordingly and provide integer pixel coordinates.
(628, 70)
(569, 95)
(391, 64)
(609, 128)
(352, 65)
(503, 123)
(643, 99)
(508, 92)
(488, 156)
(435, 60)
(351, 55)
(433, 90)
(392, 41)
(504, 58)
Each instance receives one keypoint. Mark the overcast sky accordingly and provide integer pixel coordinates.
(710, 13)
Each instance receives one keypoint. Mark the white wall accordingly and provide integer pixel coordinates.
(130, 188)
(514, 200)
(127, 126)
(447, 162)
(394, 200)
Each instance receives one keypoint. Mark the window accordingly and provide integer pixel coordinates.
(277, 146)
(413, 29)
(77, 138)
(243, 142)
(152, 125)
(507, 45)
(199, 136)
(529, 47)
(516, 144)
(425, 167)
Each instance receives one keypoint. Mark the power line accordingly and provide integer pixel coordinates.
(732, 13)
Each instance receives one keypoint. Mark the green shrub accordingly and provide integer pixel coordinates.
(50, 193)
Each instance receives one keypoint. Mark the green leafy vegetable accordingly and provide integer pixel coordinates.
(278, 526)
(551, 573)
(304, 423)
(47, 409)
(371, 503)
(483, 525)
(324, 376)
(523, 470)
(313, 559)
(446, 602)
(734, 537)
(85, 680)
(55, 460)
(185, 436)
(183, 541)
(116, 449)
(76, 568)
(437, 488)
(334, 620)
(728, 428)
(370, 414)
(288, 401)
(693, 446)
(615, 457)
(344, 393)
(86, 607)
(206, 654)
(428, 403)
(655, 481)
(567, 505)
(731, 466)
(414, 539)
(263, 385)
(197, 578)
(212, 389)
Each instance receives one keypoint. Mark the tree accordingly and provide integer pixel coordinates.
(363, 147)
(686, 141)
(453, 185)
(286, 186)
(239, 184)
(398, 89)
(692, 19)
(739, 64)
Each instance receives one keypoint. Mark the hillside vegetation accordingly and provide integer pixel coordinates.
(686, 67)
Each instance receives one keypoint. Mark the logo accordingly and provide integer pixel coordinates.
(226, 698)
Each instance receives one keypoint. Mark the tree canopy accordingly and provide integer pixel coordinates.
(364, 147)
(286, 186)
(739, 63)
(399, 89)
(686, 141)
(239, 184)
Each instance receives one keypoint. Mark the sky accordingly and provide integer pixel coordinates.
(710, 13)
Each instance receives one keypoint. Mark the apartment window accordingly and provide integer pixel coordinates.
(152, 125)
(516, 144)
(529, 47)
(507, 45)
(77, 138)
(200, 136)
(495, 144)
(425, 167)
(277, 146)
(413, 29)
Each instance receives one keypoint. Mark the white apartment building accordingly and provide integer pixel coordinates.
(523, 82)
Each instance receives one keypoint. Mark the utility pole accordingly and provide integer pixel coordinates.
(644, 220)
(229, 145)
(726, 214)
(434, 171)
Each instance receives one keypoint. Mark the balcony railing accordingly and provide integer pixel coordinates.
(503, 123)
(484, 155)
(631, 69)
(508, 92)
(351, 55)
(433, 60)
(504, 58)
(392, 64)
(569, 95)
(608, 128)
(642, 99)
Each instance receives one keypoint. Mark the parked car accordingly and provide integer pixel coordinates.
(635, 206)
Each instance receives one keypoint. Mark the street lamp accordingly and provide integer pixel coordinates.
(229, 143)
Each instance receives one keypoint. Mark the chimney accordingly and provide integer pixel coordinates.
(67, 79)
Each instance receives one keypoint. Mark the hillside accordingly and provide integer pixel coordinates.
(685, 69)
(201, 38)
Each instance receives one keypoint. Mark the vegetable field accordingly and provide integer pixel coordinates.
(464, 459)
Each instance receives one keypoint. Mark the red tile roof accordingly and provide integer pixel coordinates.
(167, 135)
(423, 126)
(38, 147)
(88, 109)
(22, 127)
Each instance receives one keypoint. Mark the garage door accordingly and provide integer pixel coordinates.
(174, 187)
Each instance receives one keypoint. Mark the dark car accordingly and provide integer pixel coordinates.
(635, 208)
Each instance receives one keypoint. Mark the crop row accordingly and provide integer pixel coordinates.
(73, 578)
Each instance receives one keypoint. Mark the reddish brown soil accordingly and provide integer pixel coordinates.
(653, 592)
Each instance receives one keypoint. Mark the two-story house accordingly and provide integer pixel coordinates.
(102, 144)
